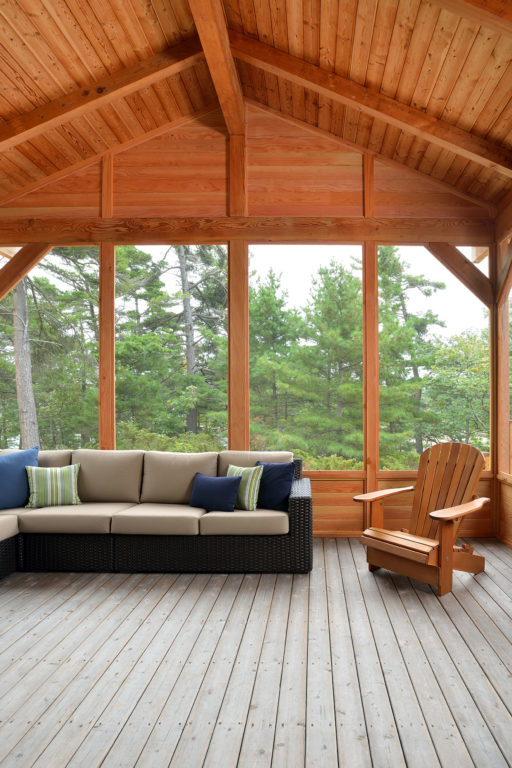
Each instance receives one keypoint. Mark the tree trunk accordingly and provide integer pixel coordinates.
(188, 323)
(24, 389)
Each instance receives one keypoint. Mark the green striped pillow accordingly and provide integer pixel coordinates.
(52, 486)
(247, 497)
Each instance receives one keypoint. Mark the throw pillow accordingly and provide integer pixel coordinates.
(276, 484)
(52, 486)
(217, 493)
(247, 497)
(13, 477)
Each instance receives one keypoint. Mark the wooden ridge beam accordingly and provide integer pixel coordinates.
(26, 126)
(492, 14)
(122, 147)
(464, 270)
(256, 229)
(341, 89)
(315, 130)
(20, 265)
(211, 26)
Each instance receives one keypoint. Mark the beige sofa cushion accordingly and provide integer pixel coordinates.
(249, 458)
(263, 522)
(109, 475)
(8, 526)
(169, 477)
(57, 458)
(79, 518)
(158, 519)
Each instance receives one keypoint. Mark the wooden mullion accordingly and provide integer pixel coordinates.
(371, 364)
(238, 345)
(106, 393)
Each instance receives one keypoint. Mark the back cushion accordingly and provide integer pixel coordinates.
(249, 458)
(168, 477)
(54, 458)
(108, 475)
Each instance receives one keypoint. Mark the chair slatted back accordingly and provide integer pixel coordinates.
(448, 474)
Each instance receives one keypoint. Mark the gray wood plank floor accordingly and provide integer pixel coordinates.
(341, 667)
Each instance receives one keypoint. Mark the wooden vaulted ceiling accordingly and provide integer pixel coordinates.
(426, 84)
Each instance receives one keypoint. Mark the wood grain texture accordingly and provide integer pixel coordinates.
(464, 270)
(107, 360)
(20, 265)
(238, 345)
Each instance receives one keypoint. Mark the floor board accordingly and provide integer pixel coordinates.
(340, 667)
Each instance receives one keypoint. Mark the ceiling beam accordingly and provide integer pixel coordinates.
(121, 147)
(492, 14)
(341, 89)
(31, 124)
(20, 265)
(256, 229)
(464, 270)
(211, 26)
(441, 185)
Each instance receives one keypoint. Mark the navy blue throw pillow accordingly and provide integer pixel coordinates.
(14, 489)
(218, 493)
(276, 484)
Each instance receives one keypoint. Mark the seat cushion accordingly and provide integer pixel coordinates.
(265, 522)
(158, 519)
(8, 526)
(80, 518)
(169, 477)
(249, 458)
(109, 475)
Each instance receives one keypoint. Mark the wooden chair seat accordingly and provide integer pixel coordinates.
(406, 545)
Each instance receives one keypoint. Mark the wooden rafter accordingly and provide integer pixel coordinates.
(441, 185)
(464, 270)
(342, 90)
(121, 147)
(20, 265)
(492, 14)
(256, 229)
(211, 26)
(121, 84)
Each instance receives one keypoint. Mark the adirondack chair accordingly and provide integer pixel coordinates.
(448, 474)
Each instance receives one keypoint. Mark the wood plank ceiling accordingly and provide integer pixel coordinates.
(426, 84)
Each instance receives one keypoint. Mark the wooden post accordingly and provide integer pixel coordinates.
(237, 176)
(107, 394)
(371, 364)
(238, 345)
(368, 186)
(107, 186)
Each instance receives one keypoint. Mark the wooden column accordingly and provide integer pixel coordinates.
(237, 176)
(368, 186)
(107, 394)
(238, 345)
(502, 373)
(371, 364)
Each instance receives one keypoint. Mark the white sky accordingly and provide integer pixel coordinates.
(297, 264)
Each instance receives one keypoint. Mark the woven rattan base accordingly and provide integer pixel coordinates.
(8, 558)
(66, 552)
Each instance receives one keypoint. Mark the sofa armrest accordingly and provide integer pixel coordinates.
(301, 499)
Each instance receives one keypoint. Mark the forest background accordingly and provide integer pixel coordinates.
(306, 388)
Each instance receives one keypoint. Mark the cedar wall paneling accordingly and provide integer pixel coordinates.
(76, 195)
(505, 512)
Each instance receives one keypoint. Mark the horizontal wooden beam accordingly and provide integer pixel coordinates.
(389, 161)
(341, 89)
(211, 26)
(256, 229)
(126, 81)
(492, 14)
(20, 265)
(121, 147)
(464, 270)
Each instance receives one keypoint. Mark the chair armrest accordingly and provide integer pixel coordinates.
(377, 495)
(452, 513)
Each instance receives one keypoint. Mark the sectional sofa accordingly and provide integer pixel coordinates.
(135, 516)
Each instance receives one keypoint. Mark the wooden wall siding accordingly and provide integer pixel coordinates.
(505, 511)
(294, 173)
(76, 195)
(335, 513)
(182, 173)
(393, 196)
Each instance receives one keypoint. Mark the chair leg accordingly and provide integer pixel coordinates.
(446, 541)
